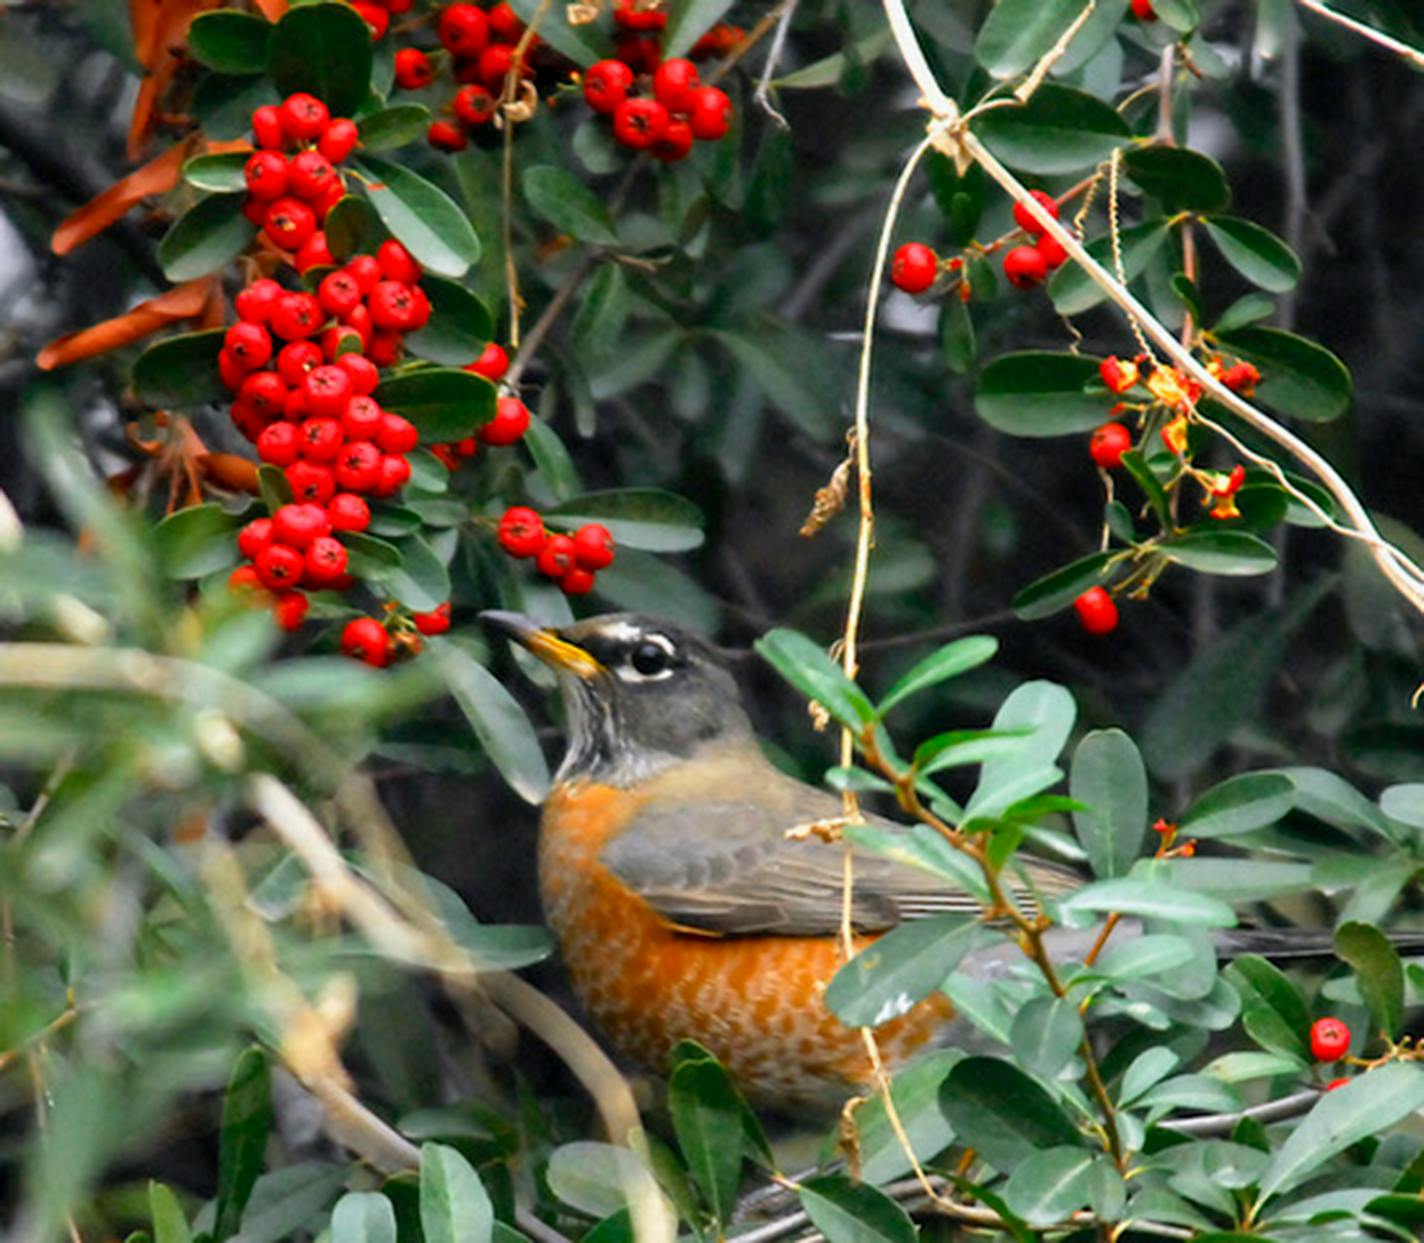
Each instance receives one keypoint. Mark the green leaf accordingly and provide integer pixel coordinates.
(956, 335)
(1180, 15)
(831, 70)
(497, 719)
(1151, 954)
(1273, 1010)
(1178, 178)
(1109, 778)
(789, 370)
(1059, 130)
(170, 1225)
(1298, 377)
(181, 371)
(230, 41)
(242, 1141)
(597, 327)
(1234, 553)
(444, 403)
(352, 227)
(393, 127)
(1039, 394)
(1002, 1113)
(646, 518)
(1254, 251)
(362, 1216)
(812, 672)
(1404, 803)
(581, 44)
(949, 662)
(1368, 1105)
(196, 541)
(707, 1119)
(205, 238)
(454, 1207)
(219, 174)
(1047, 711)
(915, 1092)
(1046, 1033)
(460, 325)
(420, 215)
(1017, 33)
(1245, 310)
(1151, 486)
(1129, 895)
(598, 1179)
(848, 1212)
(958, 747)
(1240, 805)
(559, 197)
(689, 21)
(1048, 1187)
(898, 970)
(1073, 291)
(1378, 972)
(324, 49)
(1056, 591)
(960, 199)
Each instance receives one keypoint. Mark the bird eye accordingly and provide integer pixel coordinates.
(650, 658)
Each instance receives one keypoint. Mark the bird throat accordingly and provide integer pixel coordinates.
(601, 748)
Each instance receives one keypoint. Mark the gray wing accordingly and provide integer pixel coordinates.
(748, 878)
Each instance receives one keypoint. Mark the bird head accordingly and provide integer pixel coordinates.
(640, 694)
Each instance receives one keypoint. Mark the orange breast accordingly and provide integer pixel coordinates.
(755, 1002)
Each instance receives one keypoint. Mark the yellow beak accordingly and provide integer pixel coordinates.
(544, 643)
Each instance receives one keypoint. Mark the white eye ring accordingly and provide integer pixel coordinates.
(630, 672)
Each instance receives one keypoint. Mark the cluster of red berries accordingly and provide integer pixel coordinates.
(678, 108)
(480, 43)
(379, 643)
(570, 560)
(289, 195)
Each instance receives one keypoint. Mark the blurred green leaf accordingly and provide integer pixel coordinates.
(242, 1143)
(230, 41)
(688, 21)
(181, 370)
(323, 48)
(420, 215)
(564, 201)
(454, 1207)
(1273, 1010)
(582, 44)
(598, 325)
(220, 174)
(1046, 1033)
(393, 127)
(1047, 1187)
(363, 1217)
(1378, 972)
(1179, 178)
(847, 1212)
(707, 1119)
(1073, 291)
(811, 671)
(205, 237)
(960, 199)
(646, 518)
(915, 1092)
(170, 1224)
(1129, 895)
(1298, 377)
(1017, 33)
(1240, 805)
(460, 325)
(196, 541)
(598, 1178)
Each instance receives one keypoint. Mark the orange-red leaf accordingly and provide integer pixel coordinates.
(158, 176)
(184, 302)
(273, 10)
(229, 470)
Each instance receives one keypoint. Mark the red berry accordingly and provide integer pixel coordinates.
(464, 30)
(294, 409)
(326, 560)
(376, 17)
(279, 566)
(510, 422)
(295, 317)
(521, 531)
(244, 580)
(577, 582)
(494, 65)
(1024, 267)
(315, 253)
(266, 175)
(1054, 256)
(338, 293)
(914, 267)
(414, 72)
(268, 127)
(278, 444)
(710, 114)
(474, 106)
(419, 309)
(364, 638)
(492, 363)
(295, 360)
(557, 557)
(365, 270)
(395, 474)
(504, 22)
(1336, 1083)
(304, 116)
(606, 85)
(1329, 1040)
(385, 348)
(348, 512)
(446, 456)
(674, 144)
(358, 466)
(254, 537)
(396, 263)
(363, 372)
(255, 303)
(290, 609)
(321, 438)
(446, 136)
(311, 482)
(1143, 11)
(638, 15)
(1108, 444)
(392, 306)
(638, 123)
(248, 345)
(1097, 613)
(397, 434)
(311, 175)
(230, 370)
(435, 622)
(264, 393)
(361, 419)
(1026, 222)
(289, 223)
(641, 53)
(338, 140)
(328, 389)
(674, 84)
(593, 546)
(464, 448)
(358, 319)
(298, 523)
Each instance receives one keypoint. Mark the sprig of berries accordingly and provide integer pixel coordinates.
(570, 560)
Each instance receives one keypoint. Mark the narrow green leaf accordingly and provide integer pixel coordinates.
(205, 238)
(1273, 1010)
(707, 1119)
(1039, 394)
(1002, 1113)
(421, 215)
(959, 199)
(460, 325)
(1233, 553)
(1056, 591)
(196, 541)
(325, 49)
(393, 127)
(444, 403)
(689, 21)
(957, 747)
(1240, 805)
(170, 1225)
(363, 1217)
(811, 671)
(1378, 972)
(568, 204)
(1254, 251)
(551, 456)
(597, 327)
(582, 44)
(956, 335)
(219, 174)
(1129, 895)
(900, 969)
(646, 518)
(230, 41)
(1073, 291)
(915, 1092)
(1109, 778)
(454, 1207)
(242, 1141)
(848, 1212)
(1017, 33)
(181, 371)
(950, 661)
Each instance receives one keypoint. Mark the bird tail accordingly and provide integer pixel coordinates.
(1297, 943)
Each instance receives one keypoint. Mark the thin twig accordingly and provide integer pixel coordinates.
(761, 95)
(1378, 37)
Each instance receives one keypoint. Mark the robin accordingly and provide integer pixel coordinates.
(683, 909)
